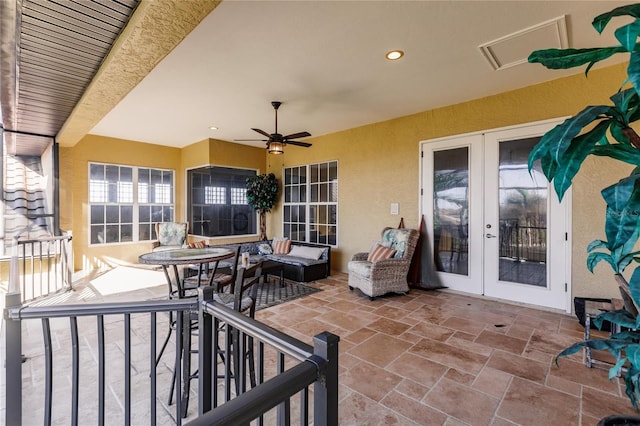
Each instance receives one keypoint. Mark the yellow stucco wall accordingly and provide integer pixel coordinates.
(116, 151)
(74, 194)
(378, 164)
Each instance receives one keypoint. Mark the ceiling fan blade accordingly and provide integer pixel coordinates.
(298, 143)
(262, 132)
(297, 135)
(250, 140)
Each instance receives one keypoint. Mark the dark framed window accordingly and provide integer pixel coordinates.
(310, 210)
(217, 202)
(125, 202)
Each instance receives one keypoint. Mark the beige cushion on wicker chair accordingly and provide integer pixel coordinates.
(171, 235)
(385, 275)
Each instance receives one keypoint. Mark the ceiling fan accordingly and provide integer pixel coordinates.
(276, 141)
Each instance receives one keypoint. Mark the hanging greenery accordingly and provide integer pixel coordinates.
(262, 194)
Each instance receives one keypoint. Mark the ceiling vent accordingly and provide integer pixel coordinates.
(515, 48)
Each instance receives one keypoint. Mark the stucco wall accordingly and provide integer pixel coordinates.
(74, 194)
(378, 165)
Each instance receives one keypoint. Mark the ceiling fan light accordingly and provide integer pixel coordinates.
(275, 148)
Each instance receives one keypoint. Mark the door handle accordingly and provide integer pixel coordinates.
(491, 236)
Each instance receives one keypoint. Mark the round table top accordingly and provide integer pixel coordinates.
(185, 256)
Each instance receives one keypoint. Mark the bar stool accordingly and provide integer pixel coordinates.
(242, 298)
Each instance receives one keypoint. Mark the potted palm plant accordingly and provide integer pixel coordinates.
(262, 194)
(605, 130)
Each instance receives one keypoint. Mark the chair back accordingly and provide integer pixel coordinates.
(402, 240)
(229, 279)
(172, 233)
(246, 286)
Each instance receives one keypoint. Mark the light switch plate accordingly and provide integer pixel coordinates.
(395, 208)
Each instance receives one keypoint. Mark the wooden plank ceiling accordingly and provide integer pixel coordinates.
(51, 50)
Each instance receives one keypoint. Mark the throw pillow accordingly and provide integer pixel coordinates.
(305, 252)
(380, 252)
(281, 246)
(264, 249)
(197, 244)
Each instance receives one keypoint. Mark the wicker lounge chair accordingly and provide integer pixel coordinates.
(378, 277)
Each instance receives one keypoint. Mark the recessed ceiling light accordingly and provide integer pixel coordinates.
(213, 128)
(392, 55)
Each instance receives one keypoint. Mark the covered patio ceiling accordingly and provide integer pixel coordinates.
(73, 67)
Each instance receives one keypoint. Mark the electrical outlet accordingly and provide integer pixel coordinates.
(395, 208)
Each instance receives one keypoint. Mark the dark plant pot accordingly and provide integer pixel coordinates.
(616, 420)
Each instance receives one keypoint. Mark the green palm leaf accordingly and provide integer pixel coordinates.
(628, 35)
(601, 21)
(594, 258)
(624, 100)
(625, 153)
(613, 346)
(572, 127)
(571, 58)
(575, 155)
(619, 317)
(623, 207)
(634, 70)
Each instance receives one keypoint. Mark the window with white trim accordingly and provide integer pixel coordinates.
(125, 202)
(217, 202)
(310, 210)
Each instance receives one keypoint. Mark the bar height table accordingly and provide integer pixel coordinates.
(171, 259)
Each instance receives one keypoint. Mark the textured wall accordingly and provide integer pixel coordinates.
(379, 164)
(116, 151)
(155, 29)
(74, 194)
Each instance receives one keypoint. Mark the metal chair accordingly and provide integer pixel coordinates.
(242, 298)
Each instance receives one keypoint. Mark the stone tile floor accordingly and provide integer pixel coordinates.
(425, 358)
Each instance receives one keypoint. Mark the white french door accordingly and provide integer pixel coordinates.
(496, 229)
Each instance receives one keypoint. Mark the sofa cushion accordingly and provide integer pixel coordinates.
(264, 248)
(380, 252)
(281, 246)
(293, 260)
(306, 252)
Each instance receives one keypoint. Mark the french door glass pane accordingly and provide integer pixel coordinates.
(523, 215)
(451, 210)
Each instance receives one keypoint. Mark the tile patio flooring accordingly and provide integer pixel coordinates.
(439, 358)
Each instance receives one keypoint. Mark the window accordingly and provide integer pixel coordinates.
(116, 215)
(214, 195)
(217, 202)
(311, 203)
(238, 196)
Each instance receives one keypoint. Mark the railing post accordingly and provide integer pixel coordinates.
(68, 260)
(13, 362)
(205, 352)
(325, 390)
(13, 345)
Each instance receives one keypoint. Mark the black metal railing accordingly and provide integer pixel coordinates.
(114, 376)
(317, 366)
(523, 241)
(44, 266)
